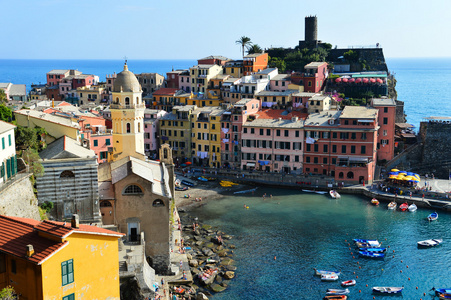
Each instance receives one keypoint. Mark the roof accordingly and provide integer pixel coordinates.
(322, 118)
(254, 55)
(267, 71)
(282, 77)
(215, 57)
(57, 72)
(16, 233)
(5, 126)
(18, 90)
(314, 65)
(5, 85)
(358, 112)
(280, 113)
(292, 122)
(404, 125)
(383, 102)
(126, 81)
(48, 117)
(304, 94)
(165, 91)
(202, 66)
(65, 147)
(273, 93)
(210, 110)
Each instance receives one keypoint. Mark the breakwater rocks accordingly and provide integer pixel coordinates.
(210, 256)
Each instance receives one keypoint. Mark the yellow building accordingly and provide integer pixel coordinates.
(55, 260)
(200, 76)
(127, 117)
(206, 136)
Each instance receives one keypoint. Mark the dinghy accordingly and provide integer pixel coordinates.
(334, 194)
(430, 243)
(387, 289)
(371, 254)
(337, 292)
(412, 207)
(324, 272)
(392, 205)
(348, 282)
(433, 216)
(404, 206)
(329, 277)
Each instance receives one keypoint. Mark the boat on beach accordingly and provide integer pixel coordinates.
(185, 182)
(412, 207)
(387, 289)
(404, 206)
(392, 205)
(374, 201)
(433, 216)
(320, 192)
(337, 291)
(334, 194)
(324, 272)
(430, 243)
(246, 191)
(348, 282)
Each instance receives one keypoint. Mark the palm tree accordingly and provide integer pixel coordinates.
(245, 42)
(254, 49)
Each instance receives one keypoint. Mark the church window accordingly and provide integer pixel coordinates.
(137, 100)
(128, 128)
(127, 101)
(158, 203)
(139, 127)
(67, 174)
(132, 190)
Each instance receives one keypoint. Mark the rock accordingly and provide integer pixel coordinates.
(227, 237)
(220, 247)
(217, 288)
(198, 243)
(194, 271)
(198, 238)
(201, 296)
(219, 279)
(189, 256)
(193, 263)
(206, 227)
(210, 245)
(225, 283)
(230, 268)
(232, 246)
(227, 261)
(222, 253)
(229, 275)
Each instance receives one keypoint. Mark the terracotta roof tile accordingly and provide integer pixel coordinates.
(63, 229)
(277, 113)
(165, 91)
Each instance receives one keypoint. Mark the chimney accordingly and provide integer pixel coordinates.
(75, 222)
(30, 250)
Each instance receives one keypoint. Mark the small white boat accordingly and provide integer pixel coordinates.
(348, 282)
(320, 192)
(392, 205)
(337, 291)
(412, 207)
(430, 243)
(324, 272)
(334, 194)
(329, 277)
(387, 289)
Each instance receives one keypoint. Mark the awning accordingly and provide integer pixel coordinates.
(250, 165)
(358, 159)
(365, 121)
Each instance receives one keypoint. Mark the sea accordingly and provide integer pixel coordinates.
(422, 83)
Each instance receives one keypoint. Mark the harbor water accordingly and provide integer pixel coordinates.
(281, 239)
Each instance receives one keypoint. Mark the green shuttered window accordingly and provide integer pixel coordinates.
(67, 271)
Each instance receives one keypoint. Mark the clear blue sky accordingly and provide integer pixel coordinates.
(174, 29)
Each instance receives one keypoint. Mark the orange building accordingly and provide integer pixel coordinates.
(253, 63)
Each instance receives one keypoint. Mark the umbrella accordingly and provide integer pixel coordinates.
(358, 80)
(188, 163)
(379, 80)
(345, 79)
(394, 170)
(372, 80)
(338, 80)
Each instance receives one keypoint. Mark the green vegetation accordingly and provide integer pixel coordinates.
(42, 214)
(31, 158)
(254, 49)
(8, 293)
(47, 206)
(6, 114)
(244, 42)
(30, 138)
(3, 98)
(297, 59)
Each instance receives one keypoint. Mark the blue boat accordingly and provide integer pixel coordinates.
(361, 243)
(371, 254)
(441, 291)
(202, 178)
(376, 250)
(433, 216)
(187, 183)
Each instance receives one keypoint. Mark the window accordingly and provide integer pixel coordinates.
(363, 149)
(353, 136)
(244, 130)
(363, 135)
(9, 138)
(297, 133)
(324, 160)
(132, 190)
(308, 147)
(325, 148)
(315, 160)
(385, 121)
(385, 133)
(96, 143)
(268, 131)
(261, 131)
(315, 147)
(307, 159)
(352, 149)
(69, 297)
(334, 148)
(385, 109)
(277, 133)
(286, 132)
(128, 128)
(252, 130)
(3, 143)
(343, 149)
(67, 271)
(67, 174)
(108, 142)
(13, 266)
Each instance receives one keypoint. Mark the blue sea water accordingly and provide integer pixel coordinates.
(422, 83)
(306, 231)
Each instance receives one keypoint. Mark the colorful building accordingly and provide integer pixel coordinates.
(151, 133)
(165, 99)
(253, 63)
(313, 78)
(276, 99)
(234, 68)
(213, 60)
(386, 136)
(172, 78)
(200, 76)
(318, 103)
(8, 158)
(150, 82)
(97, 94)
(56, 260)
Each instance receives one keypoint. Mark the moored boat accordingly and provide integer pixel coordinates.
(334, 194)
(335, 297)
(441, 291)
(392, 205)
(371, 254)
(181, 188)
(412, 207)
(387, 289)
(374, 201)
(430, 243)
(337, 292)
(348, 282)
(188, 183)
(444, 296)
(361, 243)
(324, 272)
(329, 277)
(404, 206)
(433, 216)
(378, 250)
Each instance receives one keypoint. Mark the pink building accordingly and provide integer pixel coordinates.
(313, 78)
(151, 126)
(386, 133)
(184, 83)
(280, 82)
(231, 129)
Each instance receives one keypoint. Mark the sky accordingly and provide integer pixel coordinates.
(192, 29)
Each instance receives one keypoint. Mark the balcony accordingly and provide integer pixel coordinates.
(119, 106)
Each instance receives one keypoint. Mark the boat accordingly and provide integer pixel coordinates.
(430, 243)
(308, 191)
(329, 277)
(392, 205)
(187, 183)
(404, 206)
(444, 296)
(441, 291)
(201, 178)
(412, 207)
(374, 201)
(433, 216)
(371, 254)
(320, 192)
(387, 289)
(246, 191)
(337, 291)
(348, 282)
(335, 297)
(323, 272)
(361, 243)
(181, 188)
(378, 250)
(334, 194)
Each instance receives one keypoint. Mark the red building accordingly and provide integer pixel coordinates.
(313, 78)
(253, 63)
(342, 144)
(213, 60)
(55, 76)
(172, 79)
(386, 136)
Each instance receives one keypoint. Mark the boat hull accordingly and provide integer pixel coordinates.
(387, 290)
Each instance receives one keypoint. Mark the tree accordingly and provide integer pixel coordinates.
(31, 158)
(25, 138)
(3, 98)
(245, 42)
(6, 113)
(279, 63)
(8, 293)
(254, 49)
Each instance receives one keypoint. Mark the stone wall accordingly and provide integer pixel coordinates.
(17, 198)
(436, 156)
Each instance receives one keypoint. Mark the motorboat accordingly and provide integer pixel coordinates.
(371, 254)
(433, 216)
(378, 250)
(337, 291)
(412, 207)
(334, 194)
(430, 243)
(202, 178)
(335, 297)
(361, 243)
(329, 277)
(324, 272)
(444, 296)
(181, 188)
(404, 206)
(387, 289)
(188, 183)
(392, 205)
(441, 291)
(374, 201)
(348, 282)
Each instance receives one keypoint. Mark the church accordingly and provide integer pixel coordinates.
(135, 193)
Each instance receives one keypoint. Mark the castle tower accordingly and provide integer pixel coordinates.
(127, 116)
(311, 29)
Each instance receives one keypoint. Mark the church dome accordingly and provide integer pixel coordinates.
(126, 81)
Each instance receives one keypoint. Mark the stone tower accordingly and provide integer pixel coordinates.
(311, 29)
(127, 116)
(166, 158)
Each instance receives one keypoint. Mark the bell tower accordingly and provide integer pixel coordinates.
(166, 158)
(127, 116)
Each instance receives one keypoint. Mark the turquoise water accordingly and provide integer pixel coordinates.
(306, 231)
